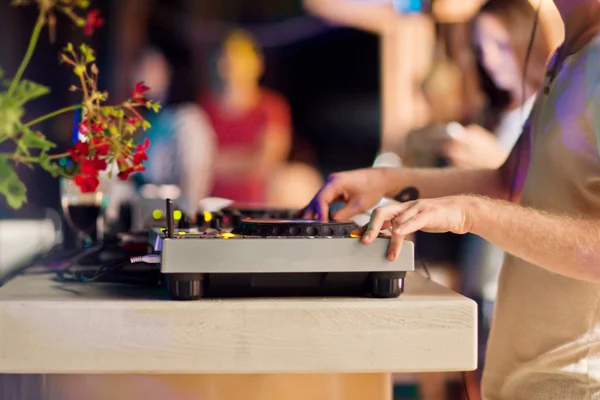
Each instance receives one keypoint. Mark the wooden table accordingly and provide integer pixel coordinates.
(99, 341)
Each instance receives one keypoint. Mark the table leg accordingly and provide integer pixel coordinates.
(207, 387)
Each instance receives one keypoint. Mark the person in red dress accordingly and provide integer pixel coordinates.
(252, 124)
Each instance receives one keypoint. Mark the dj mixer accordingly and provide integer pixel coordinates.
(261, 252)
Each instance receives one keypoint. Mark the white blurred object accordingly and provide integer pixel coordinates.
(212, 204)
(150, 191)
(455, 130)
(169, 192)
(387, 160)
(22, 240)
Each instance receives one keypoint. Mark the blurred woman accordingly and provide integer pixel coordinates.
(182, 141)
(500, 34)
(252, 124)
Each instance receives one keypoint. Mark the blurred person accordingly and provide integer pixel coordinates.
(541, 206)
(293, 185)
(500, 36)
(182, 140)
(252, 124)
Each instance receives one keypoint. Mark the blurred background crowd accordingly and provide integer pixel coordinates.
(263, 99)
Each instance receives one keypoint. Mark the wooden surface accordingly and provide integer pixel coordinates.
(52, 327)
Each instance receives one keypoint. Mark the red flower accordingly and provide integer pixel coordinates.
(97, 127)
(101, 145)
(84, 127)
(133, 120)
(124, 175)
(139, 90)
(142, 147)
(139, 158)
(92, 167)
(92, 21)
(79, 151)
(87, 184)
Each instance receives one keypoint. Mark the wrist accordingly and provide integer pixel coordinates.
(476, 209)
(392, 181)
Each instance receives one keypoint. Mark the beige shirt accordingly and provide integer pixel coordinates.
(545, 339)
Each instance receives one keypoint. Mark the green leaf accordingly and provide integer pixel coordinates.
(130, 129)
(11, 186)
(35, 140)
(53, 168)
(10, 115)
(69, 47)
(28, 90)
(87, 52)
(22, 148)
(1, 73)
(79, 70)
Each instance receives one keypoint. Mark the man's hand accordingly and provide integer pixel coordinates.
(444, 214)
(360, 189)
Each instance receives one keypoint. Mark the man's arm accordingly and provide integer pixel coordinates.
(564, 245)
(440, 182)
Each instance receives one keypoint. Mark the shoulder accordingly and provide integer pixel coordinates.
(273, 98)
(586, 65)
(190, 110)
(191, 119)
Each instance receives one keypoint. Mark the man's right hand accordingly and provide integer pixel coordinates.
(360, 190)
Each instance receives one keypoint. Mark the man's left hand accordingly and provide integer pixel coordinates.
(444, 214)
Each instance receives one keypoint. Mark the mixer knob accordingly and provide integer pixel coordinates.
(217, 220)
(236, 219)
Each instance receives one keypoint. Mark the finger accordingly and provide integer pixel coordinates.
(418, 222)
(308, 213)
(406, 215)
(379, 216)
(348, 211)
(300, 213)
(328, 194)
(365, 227)
(459, 155)
(395, 246)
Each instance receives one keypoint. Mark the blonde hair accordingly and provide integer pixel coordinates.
(242, 42)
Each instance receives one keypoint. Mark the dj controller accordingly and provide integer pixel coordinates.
(243, 251)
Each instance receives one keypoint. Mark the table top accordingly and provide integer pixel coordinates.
(48, 326)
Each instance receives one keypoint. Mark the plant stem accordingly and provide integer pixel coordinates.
(39, 24)
(32, 159)
(53, 114)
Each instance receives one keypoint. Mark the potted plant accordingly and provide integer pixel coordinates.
(107, 130)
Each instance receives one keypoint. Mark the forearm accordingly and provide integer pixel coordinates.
(561, 244)
(439, 182)
(374, 17)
